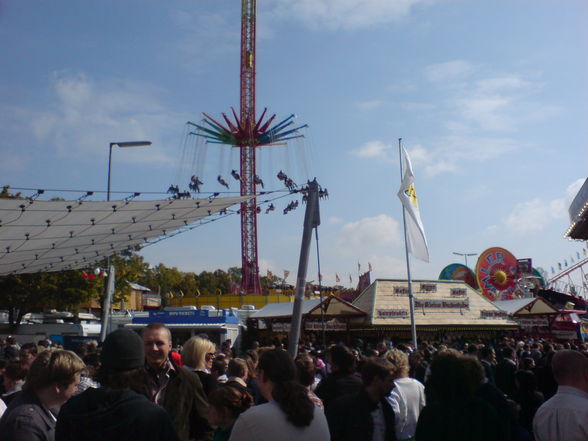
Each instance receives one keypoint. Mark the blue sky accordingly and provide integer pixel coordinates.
(489, 98)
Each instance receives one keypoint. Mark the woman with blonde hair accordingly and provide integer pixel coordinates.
(407, 398)
(197, 355)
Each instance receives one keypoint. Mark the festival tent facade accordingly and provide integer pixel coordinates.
(442, 307)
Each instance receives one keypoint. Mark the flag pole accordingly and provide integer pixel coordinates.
(410, 295)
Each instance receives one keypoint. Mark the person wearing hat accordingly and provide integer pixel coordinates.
(120, 409)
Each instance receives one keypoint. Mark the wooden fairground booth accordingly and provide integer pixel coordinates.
(333, 315)
(539, 318)
(442, 308)
(533, 315)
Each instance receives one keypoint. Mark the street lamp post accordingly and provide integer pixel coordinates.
(121, 145)
(106, 323)
(466, 256)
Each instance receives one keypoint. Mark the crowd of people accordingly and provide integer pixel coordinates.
(138, 386)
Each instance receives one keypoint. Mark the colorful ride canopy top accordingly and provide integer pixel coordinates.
(497, 274)
(457, 271)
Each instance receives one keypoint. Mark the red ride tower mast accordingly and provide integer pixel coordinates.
(250, 282)
(247, 134)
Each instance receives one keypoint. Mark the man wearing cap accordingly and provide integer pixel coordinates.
(120, 409)
(178, 390)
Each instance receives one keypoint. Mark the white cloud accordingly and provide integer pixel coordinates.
(500, 83)
(452, 153)
(535, 215)
(448, 71)
(374, 149)
(86, 115)
(370, 233)
(372, 240)
(345, 14)
(418, 154)
(488, 112)
(335, 220)
(476, 100)
(370, 105)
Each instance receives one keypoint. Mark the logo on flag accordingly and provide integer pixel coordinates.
(415, 233)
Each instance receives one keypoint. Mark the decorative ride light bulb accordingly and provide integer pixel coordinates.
(500, 277)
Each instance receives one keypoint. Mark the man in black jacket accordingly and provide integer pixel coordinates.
(342, 379)
(505, 372)
(120, 409)
(176, 389)
(366, 415)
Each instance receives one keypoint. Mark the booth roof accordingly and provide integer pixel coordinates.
(334, 306)
(284, 309)
(530, 306)
(387, 304)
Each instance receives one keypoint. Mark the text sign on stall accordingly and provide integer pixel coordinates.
(492, 313)
(458, 292)
(392, 313)
(533, 322)
(428, 287)
(442, 303)
(329, 326)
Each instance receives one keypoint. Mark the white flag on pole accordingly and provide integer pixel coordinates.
(417, 241)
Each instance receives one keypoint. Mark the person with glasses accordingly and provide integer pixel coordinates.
(198, 355)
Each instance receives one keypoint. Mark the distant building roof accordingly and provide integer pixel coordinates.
(138, 287)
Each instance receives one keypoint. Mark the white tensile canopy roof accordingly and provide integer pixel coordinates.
(37, 236)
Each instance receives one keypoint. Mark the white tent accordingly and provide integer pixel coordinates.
(38, 236)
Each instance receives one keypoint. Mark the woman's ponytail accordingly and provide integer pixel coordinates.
(291, 396)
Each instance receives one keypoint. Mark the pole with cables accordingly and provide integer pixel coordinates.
(311, 220)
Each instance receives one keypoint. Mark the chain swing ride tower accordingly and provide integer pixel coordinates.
(248, 133)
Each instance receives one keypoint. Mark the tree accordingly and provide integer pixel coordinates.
(129, 267)
(5, 194)
(24, 293)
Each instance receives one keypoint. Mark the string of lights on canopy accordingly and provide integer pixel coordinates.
(44, 236)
